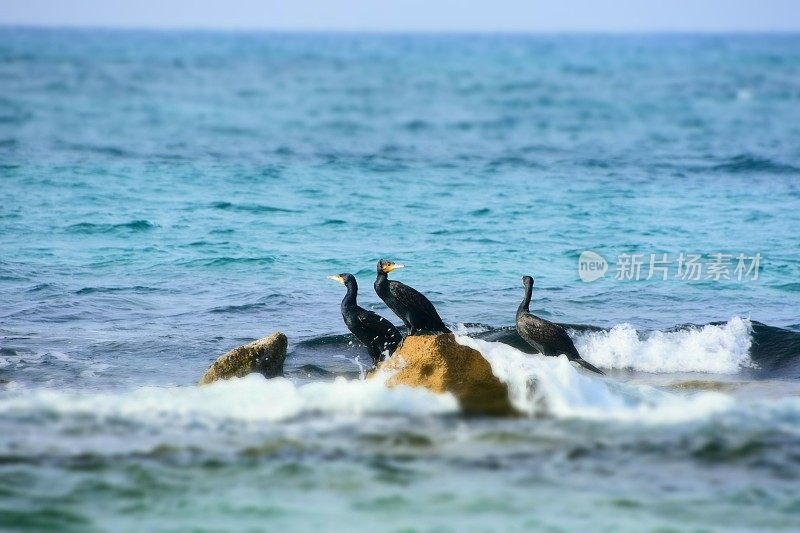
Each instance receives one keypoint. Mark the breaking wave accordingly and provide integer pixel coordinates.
(551, 386)
(720, 349)
(248, 399)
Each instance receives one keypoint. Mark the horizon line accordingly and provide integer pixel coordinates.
(398, 31)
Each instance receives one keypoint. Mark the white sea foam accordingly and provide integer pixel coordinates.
(722, 349)
(538, 385)
(251, 398)
(553, 386)
(468, 329)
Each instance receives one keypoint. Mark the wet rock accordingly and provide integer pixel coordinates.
(440, 364)
(265, 356)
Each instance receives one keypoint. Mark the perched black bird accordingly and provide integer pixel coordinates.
(375, 332)
(417, 312)
(547, 338)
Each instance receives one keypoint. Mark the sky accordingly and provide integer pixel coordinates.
(414, 15)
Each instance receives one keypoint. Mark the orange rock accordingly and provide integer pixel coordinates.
(440, 364)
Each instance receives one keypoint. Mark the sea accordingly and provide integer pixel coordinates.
(168, 195)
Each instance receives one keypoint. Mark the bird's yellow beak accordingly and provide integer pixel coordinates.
(338, 278)
(393, 266)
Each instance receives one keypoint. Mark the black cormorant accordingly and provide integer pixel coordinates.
(417, 312)
(375, 332)
(547, 338)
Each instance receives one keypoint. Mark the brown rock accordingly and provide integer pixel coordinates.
(264, 355)
(439, 363)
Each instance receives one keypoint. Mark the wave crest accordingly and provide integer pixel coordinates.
(715, 348)
(247, 399)
(540, 385)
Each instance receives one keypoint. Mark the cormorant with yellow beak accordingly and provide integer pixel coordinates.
(417, 312)
(375, 332)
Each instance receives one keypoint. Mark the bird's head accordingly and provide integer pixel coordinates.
(527, 281)
(344, 279)
(385, 266)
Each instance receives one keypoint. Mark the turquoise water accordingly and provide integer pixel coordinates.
(169, 195)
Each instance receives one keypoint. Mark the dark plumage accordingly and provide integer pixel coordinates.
(375, 332)
(544, 336)
(417, 312)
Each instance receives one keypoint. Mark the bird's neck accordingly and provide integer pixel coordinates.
(349, 299)
(524, 307)
(381, 282)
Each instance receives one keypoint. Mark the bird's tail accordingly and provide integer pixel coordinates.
(588, 366)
